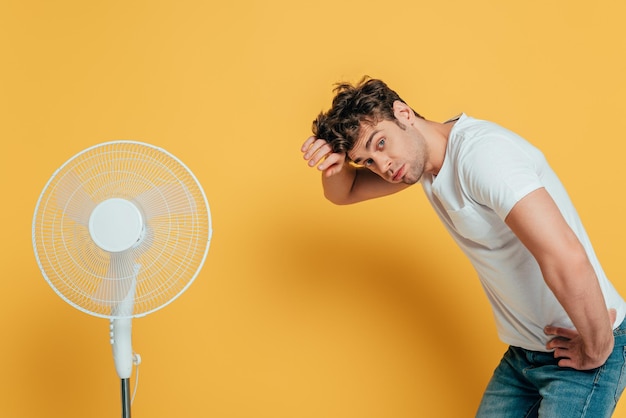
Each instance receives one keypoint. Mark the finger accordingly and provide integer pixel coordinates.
(612, 315)
(320, 153)
(567, 362)
(332, 164)
(560, 332)
(319, 145)
(575, 363)
(307, 143)
(313, 146)
(329, 172)
(558, 344)
(561, 354)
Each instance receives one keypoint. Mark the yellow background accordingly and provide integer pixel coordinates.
(303, 309)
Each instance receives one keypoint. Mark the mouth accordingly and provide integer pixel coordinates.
(399, 174)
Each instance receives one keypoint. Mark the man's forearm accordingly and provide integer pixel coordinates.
(576, 287)
(337, 187)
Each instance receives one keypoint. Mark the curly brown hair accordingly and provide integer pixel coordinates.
(369, 101)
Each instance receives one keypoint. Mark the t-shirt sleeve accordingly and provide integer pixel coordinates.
(498, 172)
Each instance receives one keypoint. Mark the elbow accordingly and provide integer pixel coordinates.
(338, 200)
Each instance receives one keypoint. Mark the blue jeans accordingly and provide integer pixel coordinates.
(530, 384)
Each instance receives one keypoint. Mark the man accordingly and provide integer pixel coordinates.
(509, 213)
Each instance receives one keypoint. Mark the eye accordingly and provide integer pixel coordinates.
(381, 144)
(368, 162)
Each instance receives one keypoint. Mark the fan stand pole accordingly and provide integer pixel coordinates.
(125, 398)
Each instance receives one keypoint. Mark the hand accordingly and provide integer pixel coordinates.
(569, 347)
(319, 152)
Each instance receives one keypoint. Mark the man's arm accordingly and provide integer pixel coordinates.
(344, 184)
(539, 224)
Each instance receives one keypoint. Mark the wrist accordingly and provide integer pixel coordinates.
(600, 350)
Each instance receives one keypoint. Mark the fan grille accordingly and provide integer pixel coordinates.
(163, 263)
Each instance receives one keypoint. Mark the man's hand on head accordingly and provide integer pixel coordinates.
(319, 153)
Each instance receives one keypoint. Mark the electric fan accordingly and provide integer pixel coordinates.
(121, 230)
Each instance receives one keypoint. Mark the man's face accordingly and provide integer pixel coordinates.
(396, 153)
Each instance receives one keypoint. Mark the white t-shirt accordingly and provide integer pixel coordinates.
(486, 171)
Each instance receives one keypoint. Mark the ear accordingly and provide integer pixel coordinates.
(403, 112)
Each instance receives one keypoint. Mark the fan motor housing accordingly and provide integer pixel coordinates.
(116, 225)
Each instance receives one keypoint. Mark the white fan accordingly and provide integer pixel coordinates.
(121, 230)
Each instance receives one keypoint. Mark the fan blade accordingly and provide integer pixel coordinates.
(73, 199)
(168, 199)
(118, 284)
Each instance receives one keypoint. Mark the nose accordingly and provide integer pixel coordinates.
(383, 164)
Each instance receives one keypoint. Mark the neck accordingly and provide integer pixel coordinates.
(436, 135)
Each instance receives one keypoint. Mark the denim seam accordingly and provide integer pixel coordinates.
(596, 379)
(533, 409)
(622, 376)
